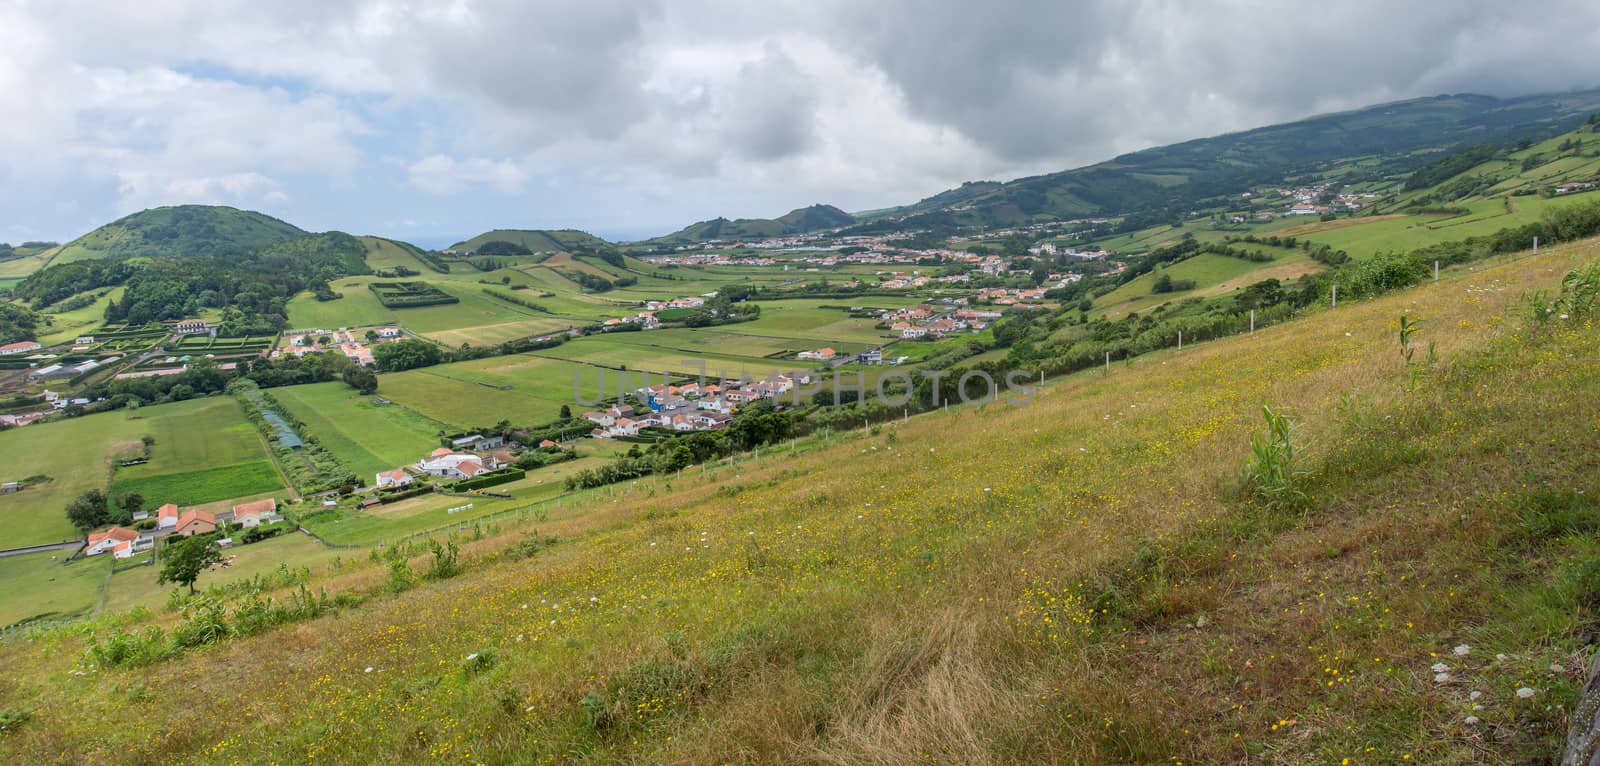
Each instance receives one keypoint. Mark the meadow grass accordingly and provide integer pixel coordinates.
(77, 455)
(366, 436)
(204, 485)
(1077, 580)
(44, 586)
(522, 388)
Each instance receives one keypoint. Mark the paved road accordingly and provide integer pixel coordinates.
(64, 545)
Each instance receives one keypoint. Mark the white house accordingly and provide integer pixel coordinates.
(257, 513)
(395, 478)
(20, 347)
(120, 541)
(453, 465)
(167, 516)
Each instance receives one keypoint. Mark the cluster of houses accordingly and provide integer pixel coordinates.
(647, 317)
(1569, 187)
(689, 407)
(355, 348)
(925, 321)
(122, 542)
(466, 457)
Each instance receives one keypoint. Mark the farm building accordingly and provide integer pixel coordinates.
(256, 513)
(395, 478)
(196, 522)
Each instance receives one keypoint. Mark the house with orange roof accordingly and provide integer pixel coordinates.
(256, 513)
(121, 541)
(395, 478)
(195, 522)
(167, 516)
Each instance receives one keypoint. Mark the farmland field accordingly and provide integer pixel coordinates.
(633, 352)
(41, 585)
(807, 320)
(76, 454)
(1213, 275)
(367, 437)
(137, 587)
(1362, 239)
(520, 388)
(204, 485)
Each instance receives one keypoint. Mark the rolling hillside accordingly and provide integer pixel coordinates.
(535, 240)
(799, 221)
(1081, 579)
(1184, 175)
(183, 231)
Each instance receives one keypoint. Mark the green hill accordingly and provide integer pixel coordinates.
(1387, 138)
(534, 240)
(1081, 579)
(335, 252)
(182, 230)
(798, 221)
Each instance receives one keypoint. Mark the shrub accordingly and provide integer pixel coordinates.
(1270, 473)
(124, 649)
(444, 564)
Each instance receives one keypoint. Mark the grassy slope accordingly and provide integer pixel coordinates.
(42, 585)
(365, 436)
(77, 454)
(813, 612)
(179, 230)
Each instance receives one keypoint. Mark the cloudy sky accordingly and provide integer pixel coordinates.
(431, 121)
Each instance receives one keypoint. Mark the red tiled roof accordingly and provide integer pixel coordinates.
(168, 511)
(255, 508)
(120, 534)
(195, 515)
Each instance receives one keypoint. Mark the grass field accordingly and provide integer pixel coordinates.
(77, 454)
(138, 587)
(789, 610)
(367, 437)
(1078, 580)
(523, 389)
(1213, 275)
(71, 324)
(1362, 239)
(212, 453)
(43, 586)
(204, 485)
(635, 352)
(806, 320)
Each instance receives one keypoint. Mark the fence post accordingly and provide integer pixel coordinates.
(1180, 340)
(1108, 362)
(1435, 271)
(1252, 321)
(1335, 297)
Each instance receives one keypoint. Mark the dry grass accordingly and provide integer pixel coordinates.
(1072, 581)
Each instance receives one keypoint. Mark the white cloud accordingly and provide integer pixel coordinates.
(439, 174)
(674, 111)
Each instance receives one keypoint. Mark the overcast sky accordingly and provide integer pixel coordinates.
(431, 121)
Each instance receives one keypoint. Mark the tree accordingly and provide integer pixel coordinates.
(184, 558)
(566, 412)
(131, 503)
(88, 510)
(406, 354)
(372, 336)
(361, 379)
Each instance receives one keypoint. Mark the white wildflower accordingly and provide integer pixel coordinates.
(1525, 693)
(1441, 678)
(1462, 650)
(1472, 720)
(1439, 667)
